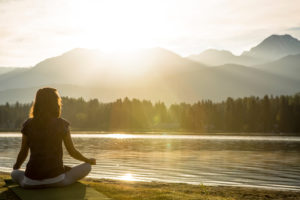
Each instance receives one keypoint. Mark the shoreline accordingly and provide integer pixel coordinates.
(134, 190)
(91, 179)
(75, 132)
(94, 179)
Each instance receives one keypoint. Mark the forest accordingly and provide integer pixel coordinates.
(249, 114)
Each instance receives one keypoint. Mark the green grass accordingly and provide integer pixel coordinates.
(124, 190)
(151, 191)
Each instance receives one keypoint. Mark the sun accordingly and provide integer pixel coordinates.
(117, 25)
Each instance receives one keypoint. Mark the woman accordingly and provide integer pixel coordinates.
(43, 133)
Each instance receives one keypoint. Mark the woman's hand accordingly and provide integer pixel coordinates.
(91, 161)
(74, 153)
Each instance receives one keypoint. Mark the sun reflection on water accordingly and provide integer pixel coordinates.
(127, 177)
(119, 136)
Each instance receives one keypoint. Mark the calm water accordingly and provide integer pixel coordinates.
(256, 161)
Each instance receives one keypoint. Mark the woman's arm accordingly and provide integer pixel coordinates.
(22, 154)
(73, 152)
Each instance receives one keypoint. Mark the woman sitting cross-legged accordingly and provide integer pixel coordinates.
(43, 133)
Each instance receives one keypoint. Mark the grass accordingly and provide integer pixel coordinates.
(126, 190)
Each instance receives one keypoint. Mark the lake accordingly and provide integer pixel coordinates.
(253, 161)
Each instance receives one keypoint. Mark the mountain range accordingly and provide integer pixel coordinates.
(271, 67)
(272, 48)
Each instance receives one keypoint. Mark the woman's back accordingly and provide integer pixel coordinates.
(45, 143)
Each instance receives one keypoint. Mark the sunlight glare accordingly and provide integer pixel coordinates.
(127, 177)
(123, 28)
(119, 136)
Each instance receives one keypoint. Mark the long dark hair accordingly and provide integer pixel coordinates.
(47, 104)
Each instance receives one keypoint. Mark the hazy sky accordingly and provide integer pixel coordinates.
(32, 30)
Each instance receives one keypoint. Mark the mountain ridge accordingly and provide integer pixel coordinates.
(85, 67)
(270, 49)
(155, 74)
(275, 47)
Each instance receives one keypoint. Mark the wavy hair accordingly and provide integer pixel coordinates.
(47, 104)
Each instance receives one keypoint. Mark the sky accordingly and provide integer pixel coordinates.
(33, 30)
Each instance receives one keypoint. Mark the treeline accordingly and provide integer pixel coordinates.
(249, 114)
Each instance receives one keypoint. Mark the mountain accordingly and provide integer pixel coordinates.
(4, 70)
(215, 83)
(90, 67)
(93, 74)
(215, 57)
(218, 83)
(275, 47)
(270, 49)
(154, 74)
(288, 67)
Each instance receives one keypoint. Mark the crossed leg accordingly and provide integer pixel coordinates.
(74, 174)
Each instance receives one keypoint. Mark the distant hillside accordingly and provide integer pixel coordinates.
(12, 73)
(4, 70)
(216, 83)
(288, 67)
(231, 80)
(215, 57)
